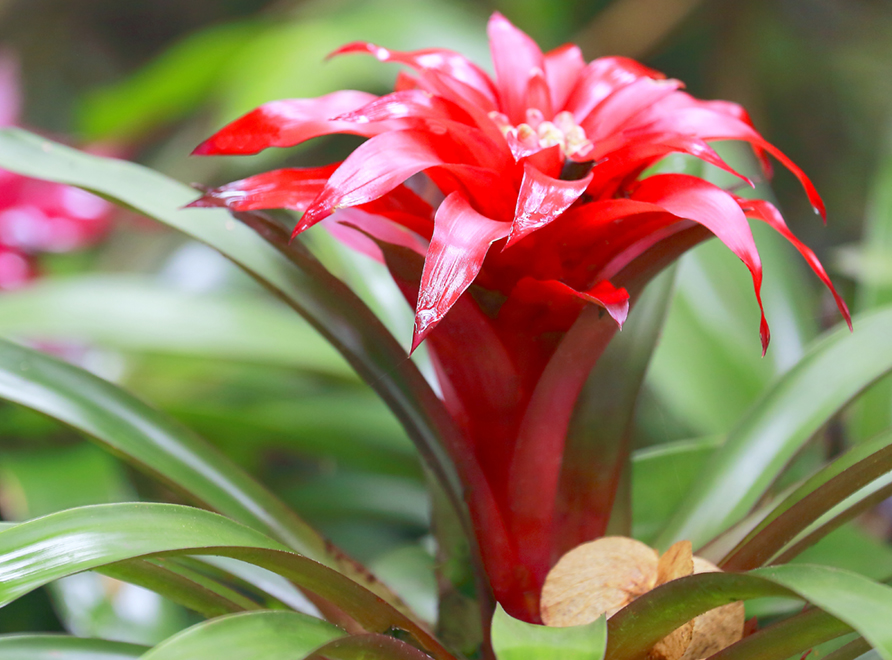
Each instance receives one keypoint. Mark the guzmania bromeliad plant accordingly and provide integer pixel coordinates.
(521, 217)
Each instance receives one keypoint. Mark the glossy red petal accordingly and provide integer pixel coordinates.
(290, 122)
(10, 98)
(405, 208)
(621, 107)
(600, 79)
(542, 199)
(615, 165)
(549, 161)
(408, 104)
(461, 240)
(563, 66)
(767, 213)
(615, 301)
(433, 59)
(289, 188)
(695, 199)
(708, 124)
(468, 99)
(739, 112)
(515, 57)
(385, 161)
(404, 82)
(538, 94)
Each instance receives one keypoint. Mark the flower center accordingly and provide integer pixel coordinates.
(536, 132)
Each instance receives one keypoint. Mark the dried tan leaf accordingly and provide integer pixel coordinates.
(674, 645)
(606, 575)
(716, 629)
(597, 577)
(676, 562)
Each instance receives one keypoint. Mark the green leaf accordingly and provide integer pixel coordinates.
(39, 551)
(854, 649)
(127, 426)
(266, 635)
(872, 413)
(409, 571)
(63, 647)
(851, 548)
(816, 497)
(513, 639)
(832, 373)
(351, 427)
(368, 647)
(864, 605)
(172, 578)
(661, 477)
(137, 314)
(289, 272)
(37, 482)
(787, 638)
(361, 496)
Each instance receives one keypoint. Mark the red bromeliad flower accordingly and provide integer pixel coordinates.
(39, 216)
(524, 264)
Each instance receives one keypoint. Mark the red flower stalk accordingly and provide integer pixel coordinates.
(523, 267)
(39, 216)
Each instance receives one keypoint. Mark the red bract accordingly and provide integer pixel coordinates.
(39, 216)
(542, 235)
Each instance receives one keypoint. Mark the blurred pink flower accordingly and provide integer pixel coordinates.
(39, 216)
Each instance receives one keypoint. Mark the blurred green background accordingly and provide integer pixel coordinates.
(172, 321)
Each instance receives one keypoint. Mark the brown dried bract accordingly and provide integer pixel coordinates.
(606, 575)
(676, 562)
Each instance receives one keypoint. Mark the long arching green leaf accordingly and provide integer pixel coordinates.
(267, 635)
(135, 313)
(172, 579)
(64, 647)
(373, 646)
(129, 427)
(850, 651)
(655, 497)
(48, 548)
(864, 605)
(296, 277)
(872, 412)
(816, 497)
(792, 636)
(163, 447)
(852, 506)
(833, 372)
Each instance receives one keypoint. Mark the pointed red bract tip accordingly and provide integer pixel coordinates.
(310, 218)
(203, 203)
(206, 148)
(355, 47)
(417, 338)
(764, 333)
